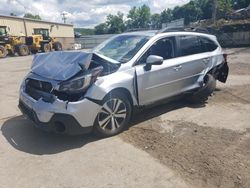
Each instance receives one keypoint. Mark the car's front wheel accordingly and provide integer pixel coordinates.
(114, 115)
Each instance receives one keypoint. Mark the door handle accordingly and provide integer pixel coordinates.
(177, 68)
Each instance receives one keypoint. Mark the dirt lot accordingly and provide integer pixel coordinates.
(208, 145)
(175, 144)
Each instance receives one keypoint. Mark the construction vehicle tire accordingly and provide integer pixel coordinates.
(23, 50)
(45, 47)
(3, 52)
(57, 46)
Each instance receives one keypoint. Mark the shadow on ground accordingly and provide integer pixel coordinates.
(22, 135)
(159, 109)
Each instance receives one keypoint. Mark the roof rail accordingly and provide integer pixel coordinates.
(186, 29)
(139, 29)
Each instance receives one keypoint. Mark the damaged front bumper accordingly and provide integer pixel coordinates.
(60, 116)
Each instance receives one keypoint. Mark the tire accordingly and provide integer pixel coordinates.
(33, 51)
(114, 115)
(57, 46)
(201, 96)
(45, 47)
(23, 50)
(3, 52)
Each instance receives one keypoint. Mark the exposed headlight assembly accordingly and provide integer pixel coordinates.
(80, 83)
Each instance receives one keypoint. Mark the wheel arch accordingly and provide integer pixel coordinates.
(123, 91)
(104, 94)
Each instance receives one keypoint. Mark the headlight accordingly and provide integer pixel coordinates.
(80, 83)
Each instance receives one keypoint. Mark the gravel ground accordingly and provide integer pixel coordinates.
(207, 145)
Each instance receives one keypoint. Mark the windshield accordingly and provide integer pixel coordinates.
(3, 31)
(122, 48)
(44, 32)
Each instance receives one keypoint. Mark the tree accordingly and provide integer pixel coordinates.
(31, 16)
(166, 16)
(101, 29)
(206, 7)
(156, 21)
(144, 16)
(115, 23)
(12, 14)
(139, 17)
(224, 6)
(194, 10)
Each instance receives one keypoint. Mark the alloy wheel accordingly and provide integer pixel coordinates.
(112, 115)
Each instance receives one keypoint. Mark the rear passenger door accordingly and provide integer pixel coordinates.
(210, 56)
(192, 60)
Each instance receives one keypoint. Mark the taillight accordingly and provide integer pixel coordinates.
(225, 57)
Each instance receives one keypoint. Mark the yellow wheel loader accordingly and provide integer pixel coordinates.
(11, 44)
(41, 41)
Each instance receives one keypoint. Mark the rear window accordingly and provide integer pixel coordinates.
(189, 45)
(208, 45)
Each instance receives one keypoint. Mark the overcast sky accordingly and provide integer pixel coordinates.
(81, 13)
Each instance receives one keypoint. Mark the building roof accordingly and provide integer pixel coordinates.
(33, 20)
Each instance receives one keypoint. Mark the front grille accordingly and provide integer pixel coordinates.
(38, 89)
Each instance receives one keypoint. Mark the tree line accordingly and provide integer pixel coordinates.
(142, 18)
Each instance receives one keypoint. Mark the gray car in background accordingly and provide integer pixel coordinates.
(78, 92)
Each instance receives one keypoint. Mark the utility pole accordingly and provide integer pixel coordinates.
(214, 13)
(64, 17)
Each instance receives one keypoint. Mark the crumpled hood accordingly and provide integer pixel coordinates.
(60, 65)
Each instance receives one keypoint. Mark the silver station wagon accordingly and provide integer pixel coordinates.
(78, 92)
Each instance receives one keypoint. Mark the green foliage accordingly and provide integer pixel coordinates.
(224, 6)
(115, 23)
(206, 7)
(101, 29)
(31, 16)
(166, 15)
(141, 17)
(156, 21)
(190, 12)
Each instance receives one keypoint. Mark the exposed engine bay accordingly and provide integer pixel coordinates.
(68, 75)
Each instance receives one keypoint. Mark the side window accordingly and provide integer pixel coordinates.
(208, 45)
(189, 45)
(163, 47)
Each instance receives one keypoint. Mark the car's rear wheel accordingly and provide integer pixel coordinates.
(114, 115)
(205, 91)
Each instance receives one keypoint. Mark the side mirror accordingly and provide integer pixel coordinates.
(153, 60)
